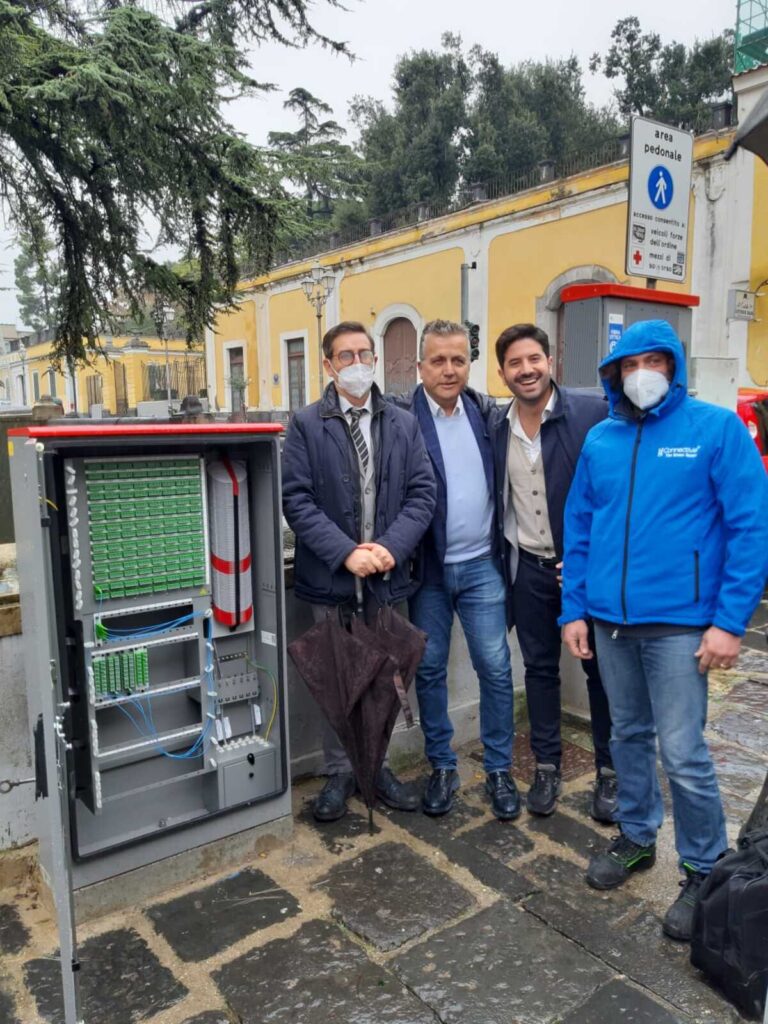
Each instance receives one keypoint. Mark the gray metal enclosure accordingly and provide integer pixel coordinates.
(592, 324)
(160, 706)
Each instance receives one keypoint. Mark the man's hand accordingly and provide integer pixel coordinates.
(387, 561)
(575, 638)
(717, 649)
(362, 562)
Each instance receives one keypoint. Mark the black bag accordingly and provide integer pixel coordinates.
(730, 924)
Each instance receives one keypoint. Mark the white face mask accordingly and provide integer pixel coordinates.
(645, 388)
(356, 379)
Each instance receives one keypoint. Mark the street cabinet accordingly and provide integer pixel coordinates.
(151, 571)
(594, 317)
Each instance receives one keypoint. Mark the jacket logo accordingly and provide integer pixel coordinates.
(679, 453)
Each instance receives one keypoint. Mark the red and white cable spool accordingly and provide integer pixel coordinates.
(230, 542)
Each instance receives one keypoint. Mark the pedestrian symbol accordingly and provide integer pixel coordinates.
(660, 187)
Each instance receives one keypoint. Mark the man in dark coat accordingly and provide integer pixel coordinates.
(358, 492)
(537, 439)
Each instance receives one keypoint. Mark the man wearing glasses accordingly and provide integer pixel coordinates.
(358, 492)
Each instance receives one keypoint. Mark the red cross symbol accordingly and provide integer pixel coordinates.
(637, 256)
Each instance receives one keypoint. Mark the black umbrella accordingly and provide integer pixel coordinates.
(359, 675)
(752, 133)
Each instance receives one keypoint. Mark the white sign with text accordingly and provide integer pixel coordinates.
(660, 165)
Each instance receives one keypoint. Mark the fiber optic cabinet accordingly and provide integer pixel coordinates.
(151, 571)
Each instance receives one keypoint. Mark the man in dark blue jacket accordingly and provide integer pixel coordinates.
(537, 439)
(462, 573)
(358, 492)
(666, 549)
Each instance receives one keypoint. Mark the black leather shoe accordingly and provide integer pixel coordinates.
(604, 797)
(331, 803)
(400, 796)
(505, 800)
(438, 796)
(545, 789)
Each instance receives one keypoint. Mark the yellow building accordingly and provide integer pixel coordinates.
(129, 370)
(519, 253)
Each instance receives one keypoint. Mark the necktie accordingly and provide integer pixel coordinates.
(357, 436)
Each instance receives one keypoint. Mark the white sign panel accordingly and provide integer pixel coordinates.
(660, 164)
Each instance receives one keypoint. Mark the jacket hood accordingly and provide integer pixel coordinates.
(646, 336)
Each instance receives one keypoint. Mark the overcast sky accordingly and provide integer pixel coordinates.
(378, 31)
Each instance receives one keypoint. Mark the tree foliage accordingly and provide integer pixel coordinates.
(110, 116)
(460, 118)
(38, 280)
(315, 159)
(671, 82)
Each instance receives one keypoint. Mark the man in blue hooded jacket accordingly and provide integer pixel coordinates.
(666, 549)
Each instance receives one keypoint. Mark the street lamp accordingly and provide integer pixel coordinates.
(163, 316)
(318, 286)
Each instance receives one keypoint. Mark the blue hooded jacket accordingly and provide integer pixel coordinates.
(667, 518)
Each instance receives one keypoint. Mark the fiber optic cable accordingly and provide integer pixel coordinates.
(263, 668)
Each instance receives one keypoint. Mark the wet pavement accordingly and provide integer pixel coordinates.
(455, 920)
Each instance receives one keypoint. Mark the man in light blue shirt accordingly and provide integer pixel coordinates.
(461, 555)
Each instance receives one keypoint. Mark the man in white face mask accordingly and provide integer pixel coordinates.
(358, 492)
(666, 549)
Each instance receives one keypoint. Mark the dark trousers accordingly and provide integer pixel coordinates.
(536, 595)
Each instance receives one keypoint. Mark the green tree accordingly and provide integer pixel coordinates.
(110, 117)
(414, 153)
(38, 280)
(314, 158)
(671, 82)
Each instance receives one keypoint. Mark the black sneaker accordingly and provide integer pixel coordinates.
(604, 802)
(545, 789)
(678, 920)
(610, 869)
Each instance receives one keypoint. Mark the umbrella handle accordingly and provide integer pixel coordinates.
(359, 596)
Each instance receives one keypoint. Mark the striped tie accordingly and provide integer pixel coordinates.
(357, 436)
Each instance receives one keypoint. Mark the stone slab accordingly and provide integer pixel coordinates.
(564, 880)
(389, 895)
(500, 839)
(567, 831)
(209, 1017)
(7, 1006)
(618, 1001)
(201, 923)
(500, 966)
(316, 976)
(637, 949)
(139, 986)
(339, 836)
(737, 770)
(488, 870)
(14, 935)
(750, 695)
(435, 831)
(749, 730)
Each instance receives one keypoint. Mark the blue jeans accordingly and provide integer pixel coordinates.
(655, 689)
(475, 591)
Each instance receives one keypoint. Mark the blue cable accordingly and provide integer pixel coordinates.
(152, 733)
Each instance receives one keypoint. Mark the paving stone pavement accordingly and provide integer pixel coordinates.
(455, 920)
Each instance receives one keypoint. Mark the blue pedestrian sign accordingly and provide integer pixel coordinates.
(660, 187)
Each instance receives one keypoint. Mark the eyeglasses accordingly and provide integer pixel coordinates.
(346, 358)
